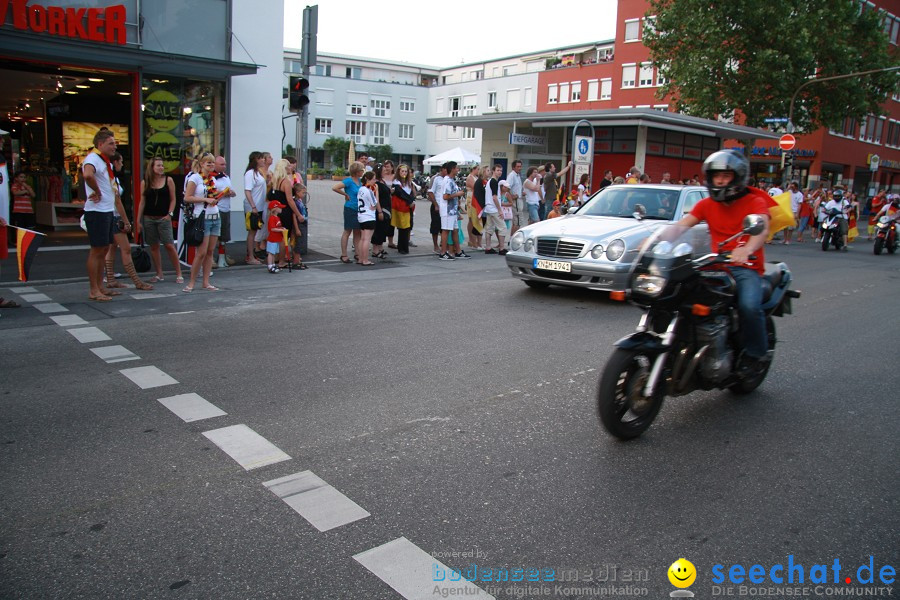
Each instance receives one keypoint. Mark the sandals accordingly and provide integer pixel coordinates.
(143, 286)
(381, 255)
(301, 266)
(210, 288)
(366, 264)
(156, 279)
(187, 289)
(179, 279)
(252, 261)
(345, 260)
(100, 298)
(9, 303)
(111, 293)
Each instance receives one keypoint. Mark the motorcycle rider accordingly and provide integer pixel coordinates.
(842, 205)
(730, 200)
(891, 209)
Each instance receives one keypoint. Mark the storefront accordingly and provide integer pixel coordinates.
(142, 69)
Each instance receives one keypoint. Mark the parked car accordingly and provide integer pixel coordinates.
(593, 247)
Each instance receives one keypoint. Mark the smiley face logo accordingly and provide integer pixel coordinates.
(682, 573)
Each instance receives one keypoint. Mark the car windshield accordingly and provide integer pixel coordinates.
(623, 201)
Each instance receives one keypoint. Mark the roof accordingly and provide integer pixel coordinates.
(613, 117)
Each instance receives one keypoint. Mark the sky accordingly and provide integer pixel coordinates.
(444, 34)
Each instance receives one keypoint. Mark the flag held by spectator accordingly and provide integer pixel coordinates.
(27, 244)
(780, 214)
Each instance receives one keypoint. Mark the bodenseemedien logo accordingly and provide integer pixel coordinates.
(682, 573)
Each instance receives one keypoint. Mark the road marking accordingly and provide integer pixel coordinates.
(145, 377)
(86, 335)
(151, 296)
(319, 503)
(35, 297)
(51, 307)
(68, 320)
(246, 447)
(116, 354)
(413, 573)
(184, 312)
(23, 290)
(191, 407)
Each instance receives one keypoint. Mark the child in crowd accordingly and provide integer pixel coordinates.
(273, 242)
(555, 212)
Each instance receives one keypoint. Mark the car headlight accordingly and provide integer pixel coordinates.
(517, 241)
(615, 250)
(597, 251)
(529, 245)
(651, 285)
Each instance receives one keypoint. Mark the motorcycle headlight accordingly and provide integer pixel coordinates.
(517, 241)
(529, 245)
(615, 250)
(651, 285)
(597, 251)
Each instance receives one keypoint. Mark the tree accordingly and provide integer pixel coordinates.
(380, 153)
(337, 149)
(751, 56)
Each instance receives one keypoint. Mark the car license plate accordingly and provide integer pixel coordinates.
(553, 265)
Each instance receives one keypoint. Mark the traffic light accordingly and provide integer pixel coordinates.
(298, 96)
(788, 158)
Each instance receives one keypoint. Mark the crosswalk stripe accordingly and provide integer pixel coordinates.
(319, 503)
(35, 297)
(246, 447)
(115, 354)
(192, 407)
(51, 307)
(86, 335)
(68, 320)
(410, 571)
(146, 377)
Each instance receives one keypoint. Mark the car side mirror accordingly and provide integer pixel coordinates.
(640, 211)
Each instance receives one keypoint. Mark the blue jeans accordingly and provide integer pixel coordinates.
(533, 210)
(750, 313)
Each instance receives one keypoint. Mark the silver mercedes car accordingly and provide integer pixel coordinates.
(593, 247)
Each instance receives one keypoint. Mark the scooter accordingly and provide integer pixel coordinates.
(885, 235)
(831, 230)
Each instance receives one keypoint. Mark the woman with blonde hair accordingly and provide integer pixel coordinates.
(283, 191)
(403, 203)
(121, 240)
(475, 226)
(154, 216)
(349, 189)
(201, 192)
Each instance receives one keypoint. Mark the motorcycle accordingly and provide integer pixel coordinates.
(688, 337)
(831, 230)
(885, 235)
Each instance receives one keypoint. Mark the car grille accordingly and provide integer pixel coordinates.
(559, 248)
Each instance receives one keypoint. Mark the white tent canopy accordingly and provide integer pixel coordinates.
(458, 155)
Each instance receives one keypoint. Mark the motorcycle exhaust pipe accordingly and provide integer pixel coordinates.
(692, 366)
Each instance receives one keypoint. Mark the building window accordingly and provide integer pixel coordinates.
(606, 89)
(323, 126)
(649, 25)
(576, 91)
(661, 79)
(593, 90)
(476, 75)
(354, 73)
(407, 106)
(628, 75)
(323, 70)
(495, 72)
(380, 133)
(381, 108)
(509, 70)
(632, 30)
(492, 99)
(563, 93)
(528, 99)
(406, 132)
(879, 129)
(552, 93)
(469, 110)
(646, 75)
(357, 131)
(324, 97)
(356, 109)
(439, 106)
(893, 134)
(454, 106)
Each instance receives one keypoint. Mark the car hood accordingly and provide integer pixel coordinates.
(591, 228)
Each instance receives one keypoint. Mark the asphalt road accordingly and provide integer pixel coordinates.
(453, 410)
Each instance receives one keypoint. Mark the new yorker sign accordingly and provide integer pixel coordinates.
(104, 25)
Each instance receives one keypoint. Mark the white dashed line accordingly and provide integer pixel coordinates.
(35, 297)
(23, 290)
(151, 296)
(319, 503)
(413, 573)
(116, 354)
(51, 307)
(191, 407)
(146, 377)
(86, 335)
(68, 320)
(246, 447)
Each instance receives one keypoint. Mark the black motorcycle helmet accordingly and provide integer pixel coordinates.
(727, 160)
(838, 195)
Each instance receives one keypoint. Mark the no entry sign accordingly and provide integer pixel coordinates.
(787, 142)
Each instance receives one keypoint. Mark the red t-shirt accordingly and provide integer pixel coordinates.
(725, 220)
(275, 223)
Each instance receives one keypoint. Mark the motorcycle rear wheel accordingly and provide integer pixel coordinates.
(624, 410)
(745, 386)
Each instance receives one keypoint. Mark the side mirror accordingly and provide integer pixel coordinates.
(754, 224)
(640, 211)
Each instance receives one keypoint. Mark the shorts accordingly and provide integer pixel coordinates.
(449, 223)
(225, 219)
(351, 218)
(252, 221)
(273, 247)
(157, 230)
(533, 214)
(101, 228)
(435, 228)
(212, 226)
(367, 225)
(494, 223)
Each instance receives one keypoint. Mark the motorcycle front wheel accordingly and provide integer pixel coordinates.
(878, 245)
(624, 410)
(826, 240)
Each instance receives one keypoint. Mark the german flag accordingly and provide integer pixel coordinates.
(27, 244)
